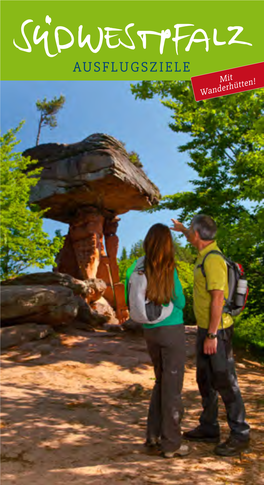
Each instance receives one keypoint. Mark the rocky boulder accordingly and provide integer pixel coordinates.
(20, 334)
(52, 305)
(102, 307)
(51, 298)
(88, 316)
(91, 289)
(94, 172)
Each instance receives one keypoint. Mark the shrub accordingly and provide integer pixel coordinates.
(249, 331)
(185, 272)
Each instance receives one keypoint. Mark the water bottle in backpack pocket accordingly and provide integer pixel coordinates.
(237, 288)
(241, 292)
(237, 285)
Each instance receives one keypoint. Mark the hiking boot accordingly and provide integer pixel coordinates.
(184, 450)
(232, 446)
(197, 434)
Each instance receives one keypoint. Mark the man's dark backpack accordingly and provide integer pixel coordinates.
(237, 285)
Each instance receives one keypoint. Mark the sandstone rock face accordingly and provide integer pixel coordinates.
(94, 172)
(52, 305)
(92, 289)
(51, 298)
(90, 252)
(102, 307)
(20, 334)
(87, 315)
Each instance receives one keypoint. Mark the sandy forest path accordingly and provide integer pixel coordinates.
(77, 415)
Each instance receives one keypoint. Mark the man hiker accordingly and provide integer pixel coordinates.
(215, 362)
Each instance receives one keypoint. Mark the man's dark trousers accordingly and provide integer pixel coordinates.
(216, 374)
(166, 346)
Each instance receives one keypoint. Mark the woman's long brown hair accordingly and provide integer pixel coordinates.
(159, 264)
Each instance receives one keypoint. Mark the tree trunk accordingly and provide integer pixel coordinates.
(39, 130)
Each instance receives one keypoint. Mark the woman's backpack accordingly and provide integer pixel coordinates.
(237, 285)
(141, 309)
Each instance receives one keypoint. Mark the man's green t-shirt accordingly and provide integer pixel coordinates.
(176, 316)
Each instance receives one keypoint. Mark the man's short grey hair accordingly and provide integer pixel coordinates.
(205, 226)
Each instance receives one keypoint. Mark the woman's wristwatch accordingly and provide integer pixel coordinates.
(211, 335)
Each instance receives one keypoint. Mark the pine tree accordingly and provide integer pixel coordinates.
(123, 254)
(137, 250)
(48, 111)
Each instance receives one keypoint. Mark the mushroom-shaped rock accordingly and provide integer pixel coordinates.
(95, 172)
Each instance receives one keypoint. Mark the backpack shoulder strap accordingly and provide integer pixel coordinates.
(214, 251)
(140, 266)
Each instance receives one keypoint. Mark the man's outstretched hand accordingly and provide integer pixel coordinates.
(177, 226)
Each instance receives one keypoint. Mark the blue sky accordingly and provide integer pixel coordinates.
(104, 107)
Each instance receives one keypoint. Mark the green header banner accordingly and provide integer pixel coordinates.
(114, 40)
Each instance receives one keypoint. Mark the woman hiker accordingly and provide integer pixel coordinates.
(165, 339)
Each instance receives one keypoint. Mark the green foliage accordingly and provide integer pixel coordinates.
(126, 260)
(183, 253)
(123, 267)
(133, 156)
(123, 254)
(137, 250)
(226, 151)
(243, 242)
(225, 147)
(185, 272)
(48, 111)
(185, 257)
(250, 332)
(23, 242)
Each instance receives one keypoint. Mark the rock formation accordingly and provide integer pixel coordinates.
(51, 298)
(88, 184)
(91, 290)
(95, 172)
(20, 334)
